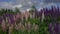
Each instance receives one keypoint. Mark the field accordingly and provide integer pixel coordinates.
(30, 22)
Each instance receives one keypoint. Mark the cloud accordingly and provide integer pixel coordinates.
(18, 6)
(5, 5)
(52, 1)
(44, 5)
(27, 2)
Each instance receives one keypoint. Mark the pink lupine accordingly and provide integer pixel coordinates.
(3, 25)
(15, 26)
(17, 15)
(14, 18)
(26, 15)
(9, 22)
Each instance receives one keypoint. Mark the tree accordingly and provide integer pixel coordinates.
(17, 10)
(33, 9)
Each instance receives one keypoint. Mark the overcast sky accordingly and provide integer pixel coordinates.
(25, 4)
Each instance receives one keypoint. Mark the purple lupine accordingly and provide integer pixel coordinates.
(0, 20)
(50, 28)
(6, 14)
(46, 12)
(59, 29)
(4, 17)
(56, 28)
(11, 18)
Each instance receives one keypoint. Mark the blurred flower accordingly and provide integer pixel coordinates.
(14, 18)
(21, 26)
(35, 27)
(0, 20)
(56, 28)
(28, 26)
(16, 27)
(11, 19)
(59, 28)
(9, 22)
(4, 17)
(3, 25)
(10, 29)
(50, 28)
(17, 16)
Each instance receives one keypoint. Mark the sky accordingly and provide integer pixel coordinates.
(26, 4)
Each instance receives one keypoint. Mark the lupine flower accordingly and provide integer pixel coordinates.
(0, 20)
(59, 29)
(56, 28)
(14, 18)
(17, 15)
(3, 25)
(28, 26)
(46, 12)
(21, 26)
(11, 19)
(10, 22)
(42, 16)
(16, 27)
(50, 28)
(35, 27)
(10, 29)
(4, 17)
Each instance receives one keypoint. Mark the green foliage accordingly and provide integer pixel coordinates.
(32, 20)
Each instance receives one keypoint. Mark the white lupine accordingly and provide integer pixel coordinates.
(35, 27)
(6, 19)
(28, 26)
(7, 22)
(42, 16)
(14, 18)
(25, 25)
(21, 26)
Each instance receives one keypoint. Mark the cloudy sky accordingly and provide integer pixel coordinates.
(26, 4)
